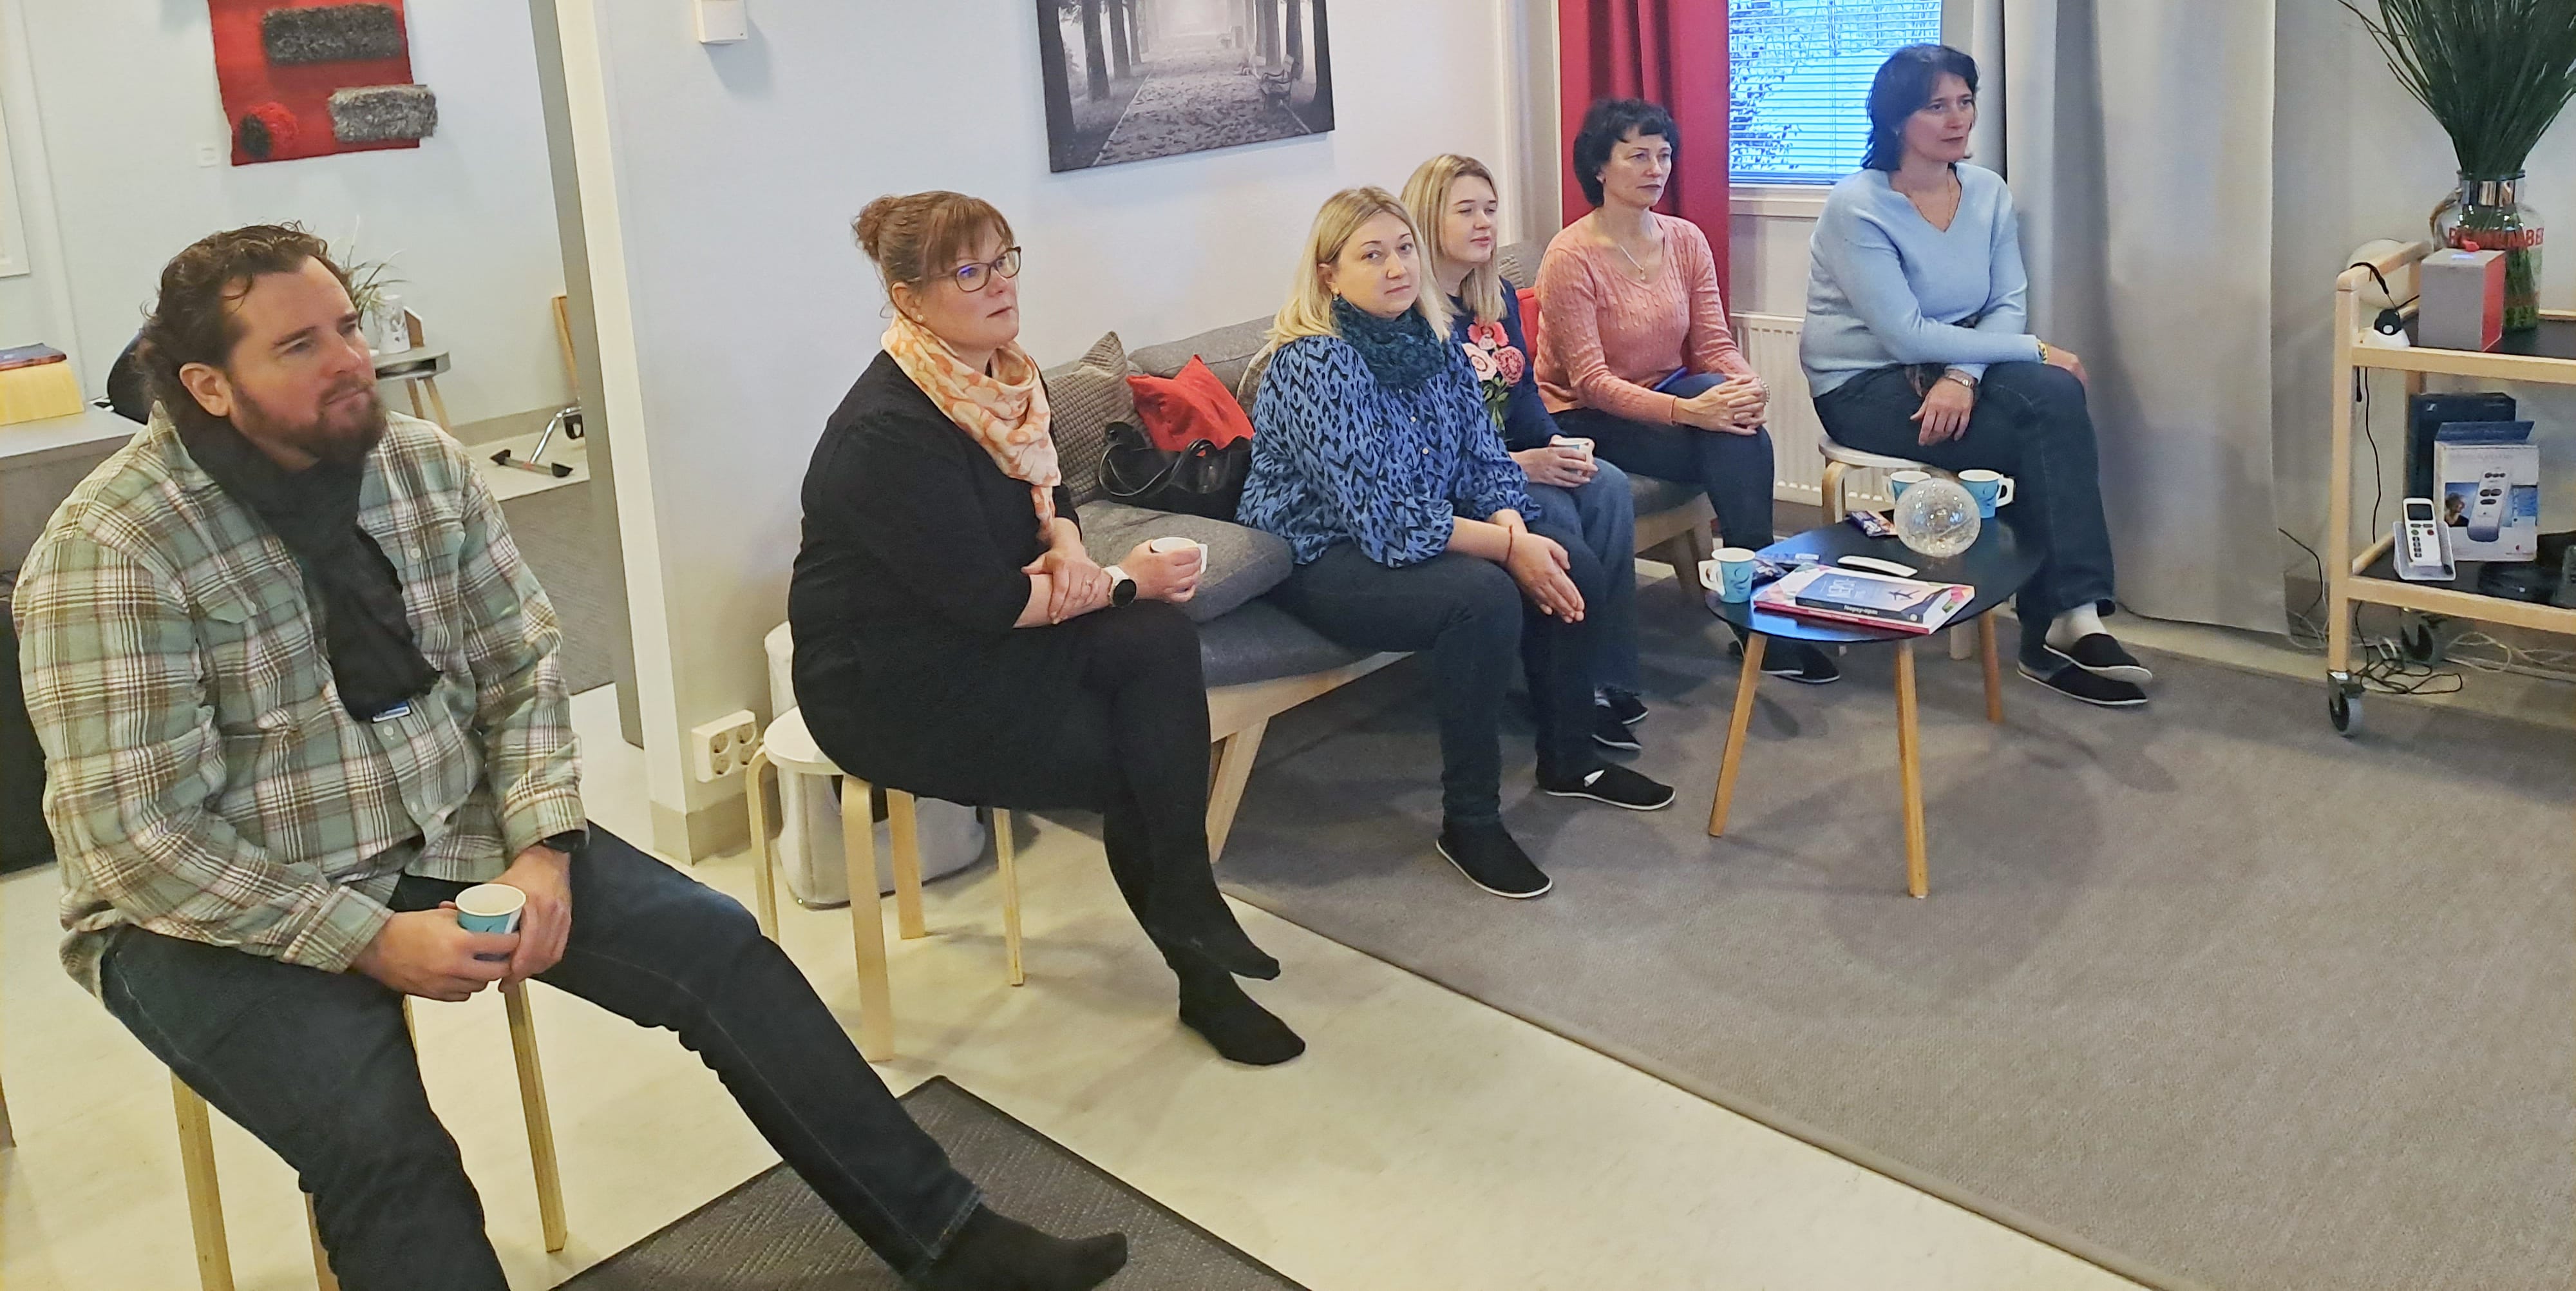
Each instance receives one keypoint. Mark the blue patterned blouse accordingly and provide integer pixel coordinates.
(1338, 457)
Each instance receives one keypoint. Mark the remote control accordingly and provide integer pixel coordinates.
(2486, 514)
(1873, 563)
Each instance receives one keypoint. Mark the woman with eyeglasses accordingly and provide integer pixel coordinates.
(1918, 345)
(954, 641)
(1374, 457)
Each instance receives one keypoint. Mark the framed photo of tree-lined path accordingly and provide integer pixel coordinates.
(1128, 80)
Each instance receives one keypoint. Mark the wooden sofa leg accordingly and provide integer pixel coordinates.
(1831, 491)
(1234, 757)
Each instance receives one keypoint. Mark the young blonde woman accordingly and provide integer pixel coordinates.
(1454, 202)
(1413, 530)
(952, 639)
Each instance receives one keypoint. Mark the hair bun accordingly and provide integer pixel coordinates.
(871, 224)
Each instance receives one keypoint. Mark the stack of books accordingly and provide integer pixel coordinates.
(1865, 599)
(36, 383)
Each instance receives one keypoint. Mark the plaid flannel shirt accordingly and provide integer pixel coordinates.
(203, 780)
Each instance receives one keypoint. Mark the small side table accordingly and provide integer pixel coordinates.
(1996, 566)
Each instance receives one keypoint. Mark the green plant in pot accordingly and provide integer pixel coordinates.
(2494, 74)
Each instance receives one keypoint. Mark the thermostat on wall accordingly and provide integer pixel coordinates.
(721, 22)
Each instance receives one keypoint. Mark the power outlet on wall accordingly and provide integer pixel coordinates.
(723, 746)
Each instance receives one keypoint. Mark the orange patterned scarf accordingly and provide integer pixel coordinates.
(1005, 413)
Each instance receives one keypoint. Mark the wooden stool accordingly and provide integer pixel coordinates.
(205, 1199)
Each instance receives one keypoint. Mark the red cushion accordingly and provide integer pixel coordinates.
(1529, 318)
(1189, 406)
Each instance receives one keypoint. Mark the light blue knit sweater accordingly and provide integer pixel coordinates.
(1888, 288)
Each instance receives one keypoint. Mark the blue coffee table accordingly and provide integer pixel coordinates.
(1995, 565)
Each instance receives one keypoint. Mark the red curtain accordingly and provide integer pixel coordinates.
(1672, 52)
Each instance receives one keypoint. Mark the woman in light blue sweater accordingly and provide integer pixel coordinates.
(1917, 345)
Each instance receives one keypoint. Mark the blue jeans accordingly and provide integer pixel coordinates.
(1470, 618)
(320, 1067)
(1604, 511)
(1734, 470)
(2031, 423)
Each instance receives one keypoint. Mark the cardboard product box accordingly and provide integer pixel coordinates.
(2487, 489)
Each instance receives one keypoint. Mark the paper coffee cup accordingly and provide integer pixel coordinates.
(1735, 567)
(490, 907)
(1898, 482)
(1167, 545)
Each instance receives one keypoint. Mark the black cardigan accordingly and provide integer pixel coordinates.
(905, 592)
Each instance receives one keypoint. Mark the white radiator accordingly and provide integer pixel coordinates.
(1770, 343)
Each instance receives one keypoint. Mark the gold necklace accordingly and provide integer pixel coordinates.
(1642, 275)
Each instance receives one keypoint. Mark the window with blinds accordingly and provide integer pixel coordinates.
(1800, 73)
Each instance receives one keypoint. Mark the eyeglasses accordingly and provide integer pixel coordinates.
(975, 277)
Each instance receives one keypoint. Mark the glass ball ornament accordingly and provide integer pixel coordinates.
(1937, 518)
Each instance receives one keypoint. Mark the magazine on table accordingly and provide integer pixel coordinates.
(1866, 599)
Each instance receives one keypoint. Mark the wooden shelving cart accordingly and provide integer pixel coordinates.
(2547, 355)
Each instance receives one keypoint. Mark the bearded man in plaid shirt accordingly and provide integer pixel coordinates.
(297, 690)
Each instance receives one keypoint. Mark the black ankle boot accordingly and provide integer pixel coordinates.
(1239, 1029)
(992, 1253)
(1193, 916)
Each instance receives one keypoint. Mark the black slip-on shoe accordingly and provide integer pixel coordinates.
(1611, 733)
(2075, 683)
(1623, 704)
(1490, 859)
(2098, 654)
(1794, 661)
(1615, 785)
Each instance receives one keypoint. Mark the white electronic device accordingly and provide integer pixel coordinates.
(1881, 566)
(721, 22)
(2423, 548)
(2486, 511)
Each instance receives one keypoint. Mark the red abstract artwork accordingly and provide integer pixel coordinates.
(310, 78)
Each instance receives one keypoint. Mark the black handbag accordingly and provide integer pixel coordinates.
(1200, 480)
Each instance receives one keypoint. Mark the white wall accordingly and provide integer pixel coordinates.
(735, 173)
(126, 96)
(34, 308)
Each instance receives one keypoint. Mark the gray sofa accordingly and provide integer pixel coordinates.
(1259, 661)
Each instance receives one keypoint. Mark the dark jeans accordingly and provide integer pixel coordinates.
(1604, 510)
(2030, 423)
(1470, 617)
(1134, 748)
(1734, 470)
(320, 1067)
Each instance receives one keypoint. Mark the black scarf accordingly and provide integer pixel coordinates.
(1400, 352)
(365, 632)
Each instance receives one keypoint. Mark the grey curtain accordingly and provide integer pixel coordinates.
(2137, 136)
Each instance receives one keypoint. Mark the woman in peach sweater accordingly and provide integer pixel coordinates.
(1634, 350)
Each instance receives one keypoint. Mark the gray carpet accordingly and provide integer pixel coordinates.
(774, 1234)
(560, 541)
(2202, 993)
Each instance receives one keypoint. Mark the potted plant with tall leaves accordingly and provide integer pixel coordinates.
(2494, 74)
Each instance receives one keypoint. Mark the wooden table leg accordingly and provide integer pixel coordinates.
(867, 922)
(1736, 726)
(1994, 667)
(903, 829)
(1910, 769)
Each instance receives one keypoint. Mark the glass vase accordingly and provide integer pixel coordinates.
(2490, 215)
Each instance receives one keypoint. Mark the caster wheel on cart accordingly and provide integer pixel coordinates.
(2343, 708)
(2418, 641)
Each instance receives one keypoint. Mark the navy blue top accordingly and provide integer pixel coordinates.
(1338, 457)
(1526, 423)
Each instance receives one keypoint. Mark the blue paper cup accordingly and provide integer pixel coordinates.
(1900, 481)
(1991, 489)
(490, 907)
(1734, 574)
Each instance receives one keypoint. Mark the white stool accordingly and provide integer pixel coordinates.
(206, 1202)
(1842, 459)
(789, 747)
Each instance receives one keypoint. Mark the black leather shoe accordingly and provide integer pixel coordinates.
(1623, 705)
(1611, 733)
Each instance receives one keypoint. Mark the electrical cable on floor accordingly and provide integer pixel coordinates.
(2546, 665)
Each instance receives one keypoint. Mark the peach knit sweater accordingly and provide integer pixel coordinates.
(1606, 340)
